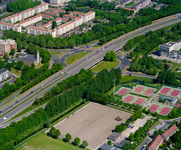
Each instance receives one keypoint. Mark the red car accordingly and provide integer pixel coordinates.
(12, 81)
(132, 127)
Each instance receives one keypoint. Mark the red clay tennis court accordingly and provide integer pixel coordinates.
(165, 90)
(178, 106)
(122, 91)
(154, 107)
(149, 92)
(175, 93)
(128, 99)
(139, 101)
(165, 111)
(138, 89)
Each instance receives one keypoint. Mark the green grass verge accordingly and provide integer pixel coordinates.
(153, 50)
(74, 57)
(130, 4)
(3, 16)
(106, 65)
(17, 72)
(44, 142)
(58, 54)
(126, 79)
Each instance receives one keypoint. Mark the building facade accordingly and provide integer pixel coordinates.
(141, 4)
(4, 74)
(58, 2)
(8, 26)
(31, 21)
(7, 45)
(51, 13)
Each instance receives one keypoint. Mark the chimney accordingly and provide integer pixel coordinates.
(38, 57)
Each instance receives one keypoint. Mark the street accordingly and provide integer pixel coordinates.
(93, 58)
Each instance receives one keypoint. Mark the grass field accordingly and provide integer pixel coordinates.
(38, 66)
(106, 65)
(74, 57)
(126, 79)
(14, 71)
(144, 90)
(161, 106)
(44, 142)
(130, 4)
(58, 54)
(169, 92)
(143, 100)
(117, 92)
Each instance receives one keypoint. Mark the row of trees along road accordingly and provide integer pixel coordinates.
(14, 133)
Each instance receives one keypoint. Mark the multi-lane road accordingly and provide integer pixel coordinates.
(85, 62)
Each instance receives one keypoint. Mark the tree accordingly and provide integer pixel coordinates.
(68, 137)
(72, 6)
(57, 133)
(109, 142)
(19, 65)
(110, 56)
(32, 65)
(84, 144)
(12, 51)
(50, 44)
(6, 56)
(131, 136)
(77, 140)
(131, 54)
(52, 130)
(54, 24)
(48, 121)
(127, 122)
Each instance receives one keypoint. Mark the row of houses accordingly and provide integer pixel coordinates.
(58, 2)
(160, 138)
(141, 4)
(26, 13)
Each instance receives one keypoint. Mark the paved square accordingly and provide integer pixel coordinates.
(93, 123)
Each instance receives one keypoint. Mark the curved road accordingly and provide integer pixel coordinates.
(85, 62)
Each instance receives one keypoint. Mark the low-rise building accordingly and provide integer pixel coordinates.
(155, 143)
(69, 16)
(121, 144)
(89, 16)
(46, 16)
(57, 10)
(4, 74)
(41, 8)
(31, 20)
(169, 132)
(107, 147)
(58, 2)
(7, 45)
(76, 14)
(141, 4)
(124, 2)
(48, 25)
(8, 26)
(114, 136)
(51, 13)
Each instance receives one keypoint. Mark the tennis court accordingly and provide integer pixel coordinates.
(170, 91)
(122, 91)
(178, 106)
(161, 109)
(137, 100)
(143, 90)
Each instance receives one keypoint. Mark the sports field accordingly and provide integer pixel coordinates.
(160, 108)
(122, 91)
(93, 123)
(44, 142)
(143, 90)
(137, 100)
(170, 91)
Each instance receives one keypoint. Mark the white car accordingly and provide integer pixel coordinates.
(4, 118)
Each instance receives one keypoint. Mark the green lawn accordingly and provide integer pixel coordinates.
(18, 73)
(58, 54)
(74, 57)
(44, 142)
(126, 79)
(106, 65)
(130, 4)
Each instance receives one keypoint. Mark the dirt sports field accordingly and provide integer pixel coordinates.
(93, 123)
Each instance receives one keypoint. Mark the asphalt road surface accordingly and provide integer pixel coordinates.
(124, 61)
(85, 62)
(13, 78)
(141, 75)
(147, 140)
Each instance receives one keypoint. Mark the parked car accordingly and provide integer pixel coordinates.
(132, 127)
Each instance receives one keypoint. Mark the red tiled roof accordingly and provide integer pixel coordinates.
(30, 9)
(17, 14)
(90, 12)
(9, 24)
(58, 18)
(57, 10)
(49, 12)
(38, 28)
(68, 23)
(155, 143)
(46, 15)
(78, 18)
(76, 13)
(30, 19)
(46, 24)
(41, 5)
(170, 131)
(70, 16)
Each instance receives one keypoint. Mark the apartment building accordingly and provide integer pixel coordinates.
(46, 16)
(31, 21)
(27, 13)
(78, 21)
(7, 45)
(168, 47)
(4, 74)
(141, 4)
(8, 26)
(37, 31)
(124, 2)
(51, 13)
(58, 2)
(76, 14)
(48, 25)
(57, 10)
(69, 16)
(65, 28)
(89, 16)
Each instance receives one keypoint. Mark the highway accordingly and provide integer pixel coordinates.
(86, 62)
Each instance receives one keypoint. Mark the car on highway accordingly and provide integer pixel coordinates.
(4, 118)
(31, 91)
(132, 127)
